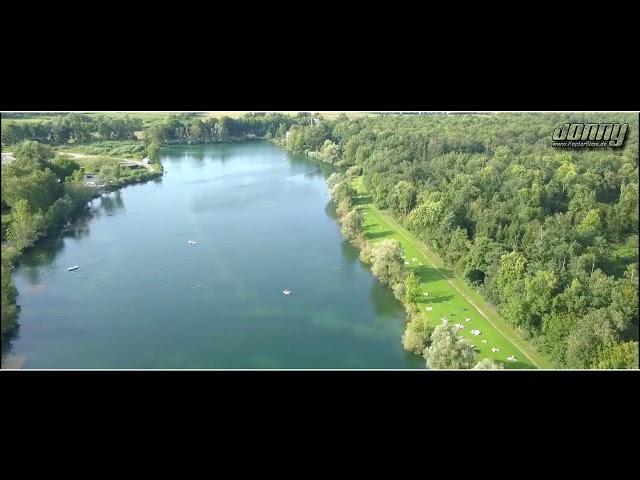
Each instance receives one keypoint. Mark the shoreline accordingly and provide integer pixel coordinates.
(15, 257)
(532, 359)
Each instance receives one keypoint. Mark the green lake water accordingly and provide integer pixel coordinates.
(145, 298)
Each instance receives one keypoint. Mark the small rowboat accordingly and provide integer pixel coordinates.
(71, 269)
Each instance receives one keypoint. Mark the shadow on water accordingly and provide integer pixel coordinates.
(323, 169)
(349, 252)
(330, 210)
(10, 337)
(414, 361)
(43, 255)
(80, 227)
(384, 303)
(111, 203)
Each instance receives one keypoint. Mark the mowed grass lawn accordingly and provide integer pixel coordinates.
(444, 299)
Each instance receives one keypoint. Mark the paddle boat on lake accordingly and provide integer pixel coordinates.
(71, 269)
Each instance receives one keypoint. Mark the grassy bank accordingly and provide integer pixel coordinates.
(448, 296)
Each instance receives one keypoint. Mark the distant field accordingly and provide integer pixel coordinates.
(30, 119)
(149, 118)
(330, 115)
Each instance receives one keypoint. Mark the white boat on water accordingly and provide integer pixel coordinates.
(191, 242)
(286, 292)
(75, 267)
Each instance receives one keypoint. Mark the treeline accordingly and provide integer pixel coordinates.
(180, 129)
(38, 192)
(175, 129)
(10, 115)
(549, 236)
(72, 128)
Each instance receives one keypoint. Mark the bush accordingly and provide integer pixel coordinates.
(398, 290)
(447, 350)
(353, 172)
(352, 225)
(387, 262)
(416, 336)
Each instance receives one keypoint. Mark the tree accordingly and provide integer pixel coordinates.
(342, 191)
(416, 336)
(295, 139)
(108, 173)
(488, 364)
(447, 350)
(222, 133)
(353, 172)
(590, 225)
(78, 192)
(411, 289)
(588, 338)
(31, 150)
(619, 355)
(12, 132)
(196, 131)
(510, 280)
(330, 152)
(598, 251)
(334, 179)
(404, 195)
(458, 247)
(25, 226)
(344, 207)
(352, 225)
(8, 294)
(428, 213)
(39, 188)
(153, 152)
(566, 175)
(387, 263)
(540, 291)
(313, 137)
(64, 167)
(155, 134)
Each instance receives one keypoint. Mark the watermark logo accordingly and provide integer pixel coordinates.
(590, 135)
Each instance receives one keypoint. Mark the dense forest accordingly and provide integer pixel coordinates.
(73, 128)
(212, 130)
(548, 235)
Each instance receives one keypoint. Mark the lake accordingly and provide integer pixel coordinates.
(144, 298)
